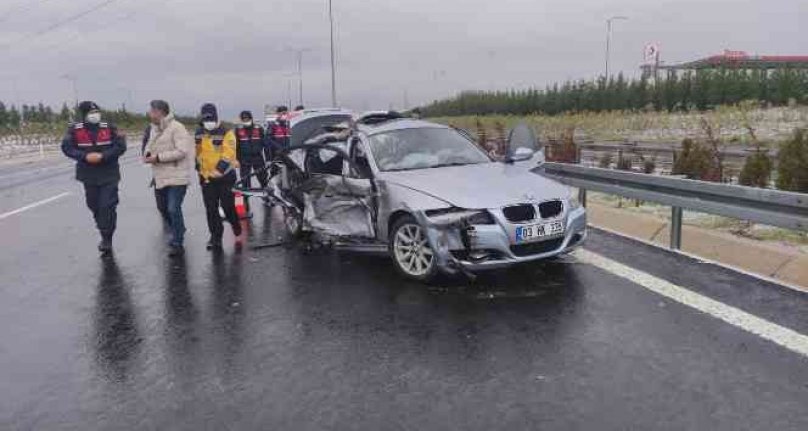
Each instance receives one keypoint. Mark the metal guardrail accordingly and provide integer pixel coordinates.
(771, 207)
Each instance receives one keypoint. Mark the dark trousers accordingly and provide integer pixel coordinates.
(219, 193)
(247, 168)
(169, 203)
(160, 198)
(102, 200)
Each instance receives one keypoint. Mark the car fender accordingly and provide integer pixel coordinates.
(395, 198)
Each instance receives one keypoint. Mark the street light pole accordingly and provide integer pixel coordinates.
(333, 72)
(609, 39)
(289, 92)
(300, 76)
(289, 78)
(72, 80)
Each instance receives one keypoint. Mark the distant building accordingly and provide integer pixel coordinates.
(734, 60)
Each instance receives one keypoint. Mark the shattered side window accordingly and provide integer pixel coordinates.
(309, 128)
(422, 148)
(324, 161)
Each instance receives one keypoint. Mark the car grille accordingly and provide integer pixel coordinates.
(540, 247)
(519, 213)
(550, 209)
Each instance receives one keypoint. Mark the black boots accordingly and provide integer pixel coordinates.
(214, 244)
(105, 246)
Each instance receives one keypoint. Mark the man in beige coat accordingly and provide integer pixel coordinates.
(170, 151)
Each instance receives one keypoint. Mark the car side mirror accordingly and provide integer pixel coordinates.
(522, 144)
(521, 154)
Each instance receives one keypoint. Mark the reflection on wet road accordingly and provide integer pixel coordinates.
(281, 338)
(116, 330)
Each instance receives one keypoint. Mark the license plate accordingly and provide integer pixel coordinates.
(535, 232)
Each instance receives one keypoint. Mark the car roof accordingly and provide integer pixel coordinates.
(398, 124)
(298, 116)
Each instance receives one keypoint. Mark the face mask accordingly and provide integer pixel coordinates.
(247, 123)
(209, 125)
(94, 118)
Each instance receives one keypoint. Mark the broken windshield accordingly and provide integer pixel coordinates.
(423, 148)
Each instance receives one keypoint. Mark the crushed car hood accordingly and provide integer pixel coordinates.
(488, 185)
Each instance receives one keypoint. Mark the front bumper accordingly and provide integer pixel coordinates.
(491, 246)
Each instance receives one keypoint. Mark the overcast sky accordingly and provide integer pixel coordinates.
(239, 53)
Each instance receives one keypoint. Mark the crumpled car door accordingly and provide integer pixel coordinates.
(334, 204)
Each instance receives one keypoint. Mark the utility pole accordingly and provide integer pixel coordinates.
(72, 80)
(289, 92)
(289, 77)
(333, 72)
(609, 39)
(300, 76)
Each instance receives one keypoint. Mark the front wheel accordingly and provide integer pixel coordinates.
(410, 250)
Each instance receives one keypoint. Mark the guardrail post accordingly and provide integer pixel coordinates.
(676, 228)
(582, 197)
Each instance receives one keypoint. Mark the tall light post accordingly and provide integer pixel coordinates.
(300, 77)
(609, 38)
(72, 80)
(289, 77)
(333, 72)
(299, 53)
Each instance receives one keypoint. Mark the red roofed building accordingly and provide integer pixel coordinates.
(740, 60)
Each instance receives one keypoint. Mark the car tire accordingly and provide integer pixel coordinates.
(409, 248)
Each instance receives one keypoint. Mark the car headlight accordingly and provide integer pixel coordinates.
(453, 215)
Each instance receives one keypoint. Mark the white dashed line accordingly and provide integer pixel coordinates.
(763, 328)
(33, 205)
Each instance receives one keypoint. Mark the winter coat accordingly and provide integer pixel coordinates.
(215, 152)
(174, 148)
(251, 145)
(84, 138)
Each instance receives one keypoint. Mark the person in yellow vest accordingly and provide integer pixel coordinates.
(216, 163)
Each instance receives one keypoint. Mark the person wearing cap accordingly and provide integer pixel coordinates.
(96, 146)
(216, 164)
(279, 132)
(250, 150)
(170, 152)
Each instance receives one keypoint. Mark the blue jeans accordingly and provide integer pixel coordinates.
(169, 202)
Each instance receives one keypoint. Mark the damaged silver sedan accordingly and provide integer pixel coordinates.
(427, 195)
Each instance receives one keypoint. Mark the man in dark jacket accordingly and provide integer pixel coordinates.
(279, 132)
(96, 147)
(251, 145)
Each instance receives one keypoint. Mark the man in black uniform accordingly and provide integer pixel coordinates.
(96, 147)
(279, 132)
(251, 145)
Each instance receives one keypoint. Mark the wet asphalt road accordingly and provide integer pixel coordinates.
(280, 339)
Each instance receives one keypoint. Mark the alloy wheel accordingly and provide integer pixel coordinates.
(412, 251)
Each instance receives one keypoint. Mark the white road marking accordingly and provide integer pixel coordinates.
(33, 205)
(763, 328)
